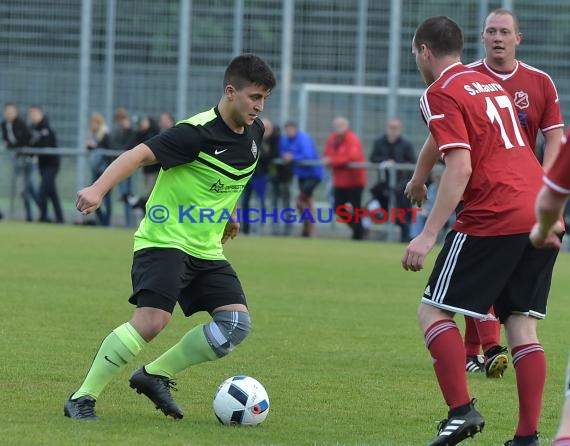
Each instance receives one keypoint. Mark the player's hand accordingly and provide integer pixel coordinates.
(416, 252)
(231, 230)
(416, 192)
(551, 239)
(88, 200)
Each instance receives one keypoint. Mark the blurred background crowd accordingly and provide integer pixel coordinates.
(84, 80)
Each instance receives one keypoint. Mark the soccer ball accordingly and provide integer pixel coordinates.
(241, 400)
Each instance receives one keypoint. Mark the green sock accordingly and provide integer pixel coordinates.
(116, 350)
(192, 349)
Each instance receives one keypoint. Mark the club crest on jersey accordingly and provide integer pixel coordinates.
(254, 149)
(521, 99)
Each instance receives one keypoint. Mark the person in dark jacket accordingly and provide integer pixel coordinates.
(42, 136)
(148, 128)
(279, 174)
(15, 134)
(98, 142)
(259, 180)
(123, 137)
(392, 149)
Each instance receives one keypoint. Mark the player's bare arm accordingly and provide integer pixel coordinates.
(451, 188)
(416, 190)
(552, 140)
(89, 198)
(549, 207)
(232, 227)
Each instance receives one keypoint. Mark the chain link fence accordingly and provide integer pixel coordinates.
(75, 57)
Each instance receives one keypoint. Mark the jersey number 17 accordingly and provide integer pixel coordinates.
(494, 115)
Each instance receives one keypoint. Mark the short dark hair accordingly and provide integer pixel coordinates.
(249, 69)
(9, 104)
(441, 35)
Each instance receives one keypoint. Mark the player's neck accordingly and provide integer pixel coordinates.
(225, 113)
(443, 64)
(502, 66)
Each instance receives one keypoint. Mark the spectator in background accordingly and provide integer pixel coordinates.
(342, 148)
(280, 173)
(148, 128)
(123, 138)
(98, 141)
(43, 136)
(257, 184)
(298, 147)
(15, 134)
(390, 149)
(165, 121)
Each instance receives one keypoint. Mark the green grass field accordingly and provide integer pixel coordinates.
(335, 342)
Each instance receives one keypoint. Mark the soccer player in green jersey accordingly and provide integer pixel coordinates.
(206, 161)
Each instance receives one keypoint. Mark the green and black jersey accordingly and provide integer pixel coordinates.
(205, 166)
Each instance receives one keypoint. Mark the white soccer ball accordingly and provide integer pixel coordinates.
(241, 400)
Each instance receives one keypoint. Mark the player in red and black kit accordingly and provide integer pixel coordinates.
(549, 207)
(487, 259)
(538, 108)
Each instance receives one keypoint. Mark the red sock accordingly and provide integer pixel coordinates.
(562, 441)
(444, 342)
(472, 344)
(489, 331)
(530, 365)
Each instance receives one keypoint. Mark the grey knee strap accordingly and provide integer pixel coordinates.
(228, 329)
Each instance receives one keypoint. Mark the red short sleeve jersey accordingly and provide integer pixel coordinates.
(467, 110)
(534, 94)
(558, 177)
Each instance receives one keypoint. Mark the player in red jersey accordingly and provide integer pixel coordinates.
(487, 258)
(549, 207)
(552, 198)
(538, 108)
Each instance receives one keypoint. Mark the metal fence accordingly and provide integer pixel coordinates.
(74, 57)
(387, 172)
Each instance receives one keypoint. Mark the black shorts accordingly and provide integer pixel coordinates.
(471, 274)
(307, 186)
(163, 276)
